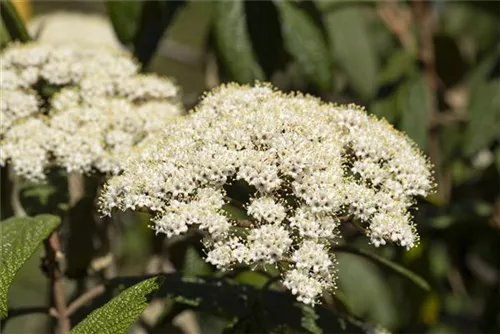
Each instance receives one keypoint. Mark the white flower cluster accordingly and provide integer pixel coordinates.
(305, 164)
(76, 107)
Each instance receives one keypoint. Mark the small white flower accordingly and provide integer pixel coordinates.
(305, 163)
(94, 121)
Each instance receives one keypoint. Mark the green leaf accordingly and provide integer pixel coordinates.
(233, 42)
(141, 24)
(13, 22)
(121, 312)
(4, 35)
(367, 291)
(416, 116)
(387, 107)
(353, 50)
(20, 238)
(309, 318)
(235, 213)
(387, 264)
(400, 64)
(220, 296)
(483, 107)
(124, 16)
(305, 42)
(156, 16)
(194, 265)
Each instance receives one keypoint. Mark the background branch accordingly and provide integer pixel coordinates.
(15, 195)
(53, 258)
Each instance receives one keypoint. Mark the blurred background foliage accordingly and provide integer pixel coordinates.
(431, 68)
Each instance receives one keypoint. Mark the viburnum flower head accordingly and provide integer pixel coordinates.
(75, 107)
(305, 164)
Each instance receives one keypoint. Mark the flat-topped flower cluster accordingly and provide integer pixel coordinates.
(306, 165)
(76, 107)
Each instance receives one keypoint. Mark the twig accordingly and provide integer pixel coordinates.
(76, 187)
(15, 199)
(358, 227)
(244, 223)
(181, 53)
(398, 20)
(426, 30)
(53, 257)
(84, 299)
(211, 72)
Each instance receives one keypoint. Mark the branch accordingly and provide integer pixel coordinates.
(15, 199)
(398, 20)
(54, 256)
(76, 187)
(426, 30)
(84, 299)
(181, 53)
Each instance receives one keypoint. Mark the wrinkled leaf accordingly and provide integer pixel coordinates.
(233, 42)
(416, 115)
(20, 238)
(13, 22)
(353, 50)
(304, 41)
(121, 312)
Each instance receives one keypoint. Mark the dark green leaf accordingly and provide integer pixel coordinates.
(497, 159)
(19, 239)
(141, 24)
(4, 35)
(305, 42)
(13, 22)
(264, 29)
(155, 18)
(400, 64)
(386, 107)
(353, 50)
(121, 312)
(221, 297)
(125, 16)
(416, 116)
(233, 42)
(387, 264)
(79, 245)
